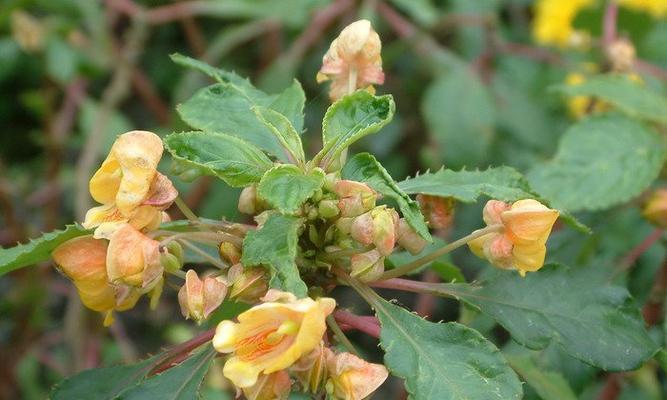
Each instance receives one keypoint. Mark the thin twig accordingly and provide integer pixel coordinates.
(331, 322)
(367, 324)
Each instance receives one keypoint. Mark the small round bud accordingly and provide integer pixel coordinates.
(248, 200)
(409, 239)
(328, 208)
(176, 249)
(655, 209)
(170, 262)
(229, 253)
(367, 266)
(247, 284)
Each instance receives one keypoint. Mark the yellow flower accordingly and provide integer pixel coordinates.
(83, 260)
(656, 8)
(655, 209)
(271, 336)
(521, 245)
(553, 21)
(199, 298)
(310, 370)
(351, 378)
(353, 60)
(133, 259)
(129, 186)
(275, 386)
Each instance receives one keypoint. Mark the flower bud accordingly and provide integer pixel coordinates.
(622, 55)
(229, 253)
(170, 262)
(355, 198)
(310, 370)
(175, 248)
(363, 229)
(274, 386)
(328, 208)
(492, 210)
(197, 298)
(655, 209)
(248, 200)
(351, 378)
(409, 239)
(367, 266)
(247, 284)
(344, 225)
(385, 224)
(439, 211)
(133, 259)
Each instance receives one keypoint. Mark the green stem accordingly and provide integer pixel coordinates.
(334, 255)
(185, 210)
(178, 273)
(333, 325)
(407, 268)
(204, 254)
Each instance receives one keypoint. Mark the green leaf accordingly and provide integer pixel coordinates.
(233, 160)
(574, 308)
(274, 245)
(365, 168)
(631, 97)
(501, 183)
(228, 107)
(459, 113)
(218, 74)
(286, 187)
(601, 161)
(37, 250)
(443, 361)
(283, 130)
(180, 382)
(349, 119)
(102, 383)
(549, 385)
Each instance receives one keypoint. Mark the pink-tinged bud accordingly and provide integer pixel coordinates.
(367, 266)
(229, 253)
(409, 239)
(274, 386)
(439, 211)
(248, 200)
(351, 378)
(492, 211)
(198, 299)
(622, 54)
(311, 369)
(385, 229)
(355, 198)
(247, 284)
(363, 229)
(133, 258)
(655, 209)
(498, 250)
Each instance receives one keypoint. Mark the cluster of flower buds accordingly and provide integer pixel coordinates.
(523, 230)
(353, 61)
(282, 337)
(120, 262)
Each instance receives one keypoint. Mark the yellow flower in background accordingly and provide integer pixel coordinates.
(129, 186)
(655, 209)
(521, 245)
(656, 8)
(353, 60)
(83, 260)
(271, 336)
(351, 378)
(553, 23)
(28, 31)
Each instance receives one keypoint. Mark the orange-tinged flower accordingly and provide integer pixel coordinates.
(310, 370)
(353, 60)
(355, 198)
(199, 298)
(655, 209)
(275, 386)
(521, 244)
(351, 378)
(133, 258)
(83, 260)
(439, 211)
(271, 336)
(129, 186)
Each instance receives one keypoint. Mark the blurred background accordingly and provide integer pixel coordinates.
(470, 80)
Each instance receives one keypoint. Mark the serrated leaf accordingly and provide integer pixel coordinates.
(218, 74)
(231, 159)
(629, 96)
(443, 361)
(601, 161)
(549, 385)
(102, 383)
(283, 130)
(363, 167)
(501, 183)
(459, 113)
(227, 107)
(286, 187)
(37, 250)
(349, 119)
(180, 382)
(594, 322)
(274, 245)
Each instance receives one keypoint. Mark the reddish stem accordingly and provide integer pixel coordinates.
(640, 249)
(180, 352)
(367, 324)
(609, 23)
(426, 302)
